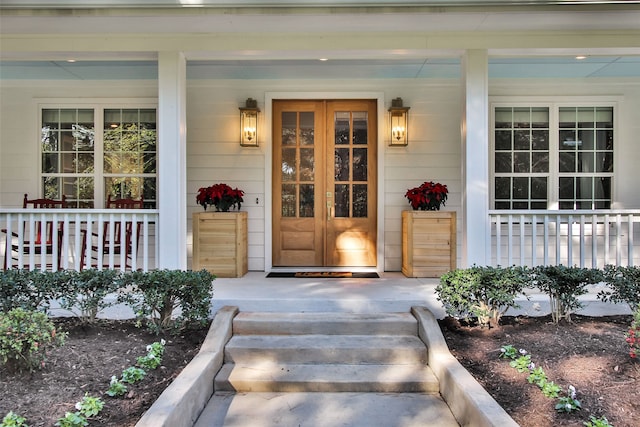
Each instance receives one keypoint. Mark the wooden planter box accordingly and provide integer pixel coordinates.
(220, 243)
(428, 243)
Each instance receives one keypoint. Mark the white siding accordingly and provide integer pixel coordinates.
(214, 153)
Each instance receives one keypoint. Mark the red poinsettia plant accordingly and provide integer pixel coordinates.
(428, 197)
(222, 196)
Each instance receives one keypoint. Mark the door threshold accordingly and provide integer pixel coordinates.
(322, 269)
(324, 275)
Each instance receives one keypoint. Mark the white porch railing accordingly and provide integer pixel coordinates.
(583, 238)
(80, 238)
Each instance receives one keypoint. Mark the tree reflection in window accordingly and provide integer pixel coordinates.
(130, 154)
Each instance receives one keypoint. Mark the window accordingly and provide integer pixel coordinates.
(552, 157)
(90, 154)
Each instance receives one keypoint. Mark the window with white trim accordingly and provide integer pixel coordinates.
(552, 156)
(90, 154)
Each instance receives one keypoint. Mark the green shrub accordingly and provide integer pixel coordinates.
(484, 292)
(25, 336)
(30, 290)
(624, 284)
(86, 292)
(564, 285)
(157, 296)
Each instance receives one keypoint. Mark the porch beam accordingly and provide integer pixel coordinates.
(172, 163)
(475, 158)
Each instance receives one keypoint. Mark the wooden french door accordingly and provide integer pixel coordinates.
(324, 183)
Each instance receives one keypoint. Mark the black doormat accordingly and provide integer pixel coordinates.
(325, 275)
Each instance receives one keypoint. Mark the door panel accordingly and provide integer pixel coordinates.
(298, 237)
(324, 183)
(351, 144)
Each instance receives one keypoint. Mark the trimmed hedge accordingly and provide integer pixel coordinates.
(160, 298)
(486, 293)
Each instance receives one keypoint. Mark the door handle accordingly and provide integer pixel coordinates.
(329, 211)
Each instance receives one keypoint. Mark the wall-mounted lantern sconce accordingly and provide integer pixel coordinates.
(399, 119)
(249, 123)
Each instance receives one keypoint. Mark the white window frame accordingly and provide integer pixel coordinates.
(554, 104)
(98, 106)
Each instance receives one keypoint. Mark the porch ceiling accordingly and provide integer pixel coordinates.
(418, 68)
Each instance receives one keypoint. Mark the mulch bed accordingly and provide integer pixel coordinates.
(590, 353)
(85, 364)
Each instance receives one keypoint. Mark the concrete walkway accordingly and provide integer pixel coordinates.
(326, 410)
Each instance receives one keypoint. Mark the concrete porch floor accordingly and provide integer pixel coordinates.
(392, 292)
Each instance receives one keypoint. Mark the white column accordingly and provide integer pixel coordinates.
(172, 161)
(475, 158)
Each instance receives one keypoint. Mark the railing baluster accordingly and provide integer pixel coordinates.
(546, 240)
(594, 241)
(618, 238)
(534, 239)
(54, 241)
(510, 240)
(145, 244)
(498, 239)
(558, 232)
(630, 241)
(522, 232)
(607, 238)
(581, 241)
(134, 242)
(100, 243)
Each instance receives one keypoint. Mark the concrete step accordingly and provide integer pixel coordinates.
(326, 349)
(269, 377)
(246, 323)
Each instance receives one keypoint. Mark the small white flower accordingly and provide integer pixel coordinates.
(522, 351)
(532, 366)
(151, 356)
(149, 347)
(78, 405)
(114, 379)
(572, 391)
(163, 342)
(568, 406)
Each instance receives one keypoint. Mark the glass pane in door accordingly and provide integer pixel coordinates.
(359, 200)
(342, 127)
(307, 201)
(298, 164)
(288, 200)
(341, 201)
(360, 123)
(341, 165)
(359, 164)
(307, 134)
(289, 127)
(289, 165)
